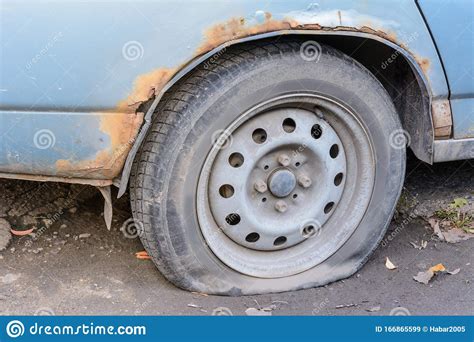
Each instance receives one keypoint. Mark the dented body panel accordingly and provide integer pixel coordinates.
(83, 85)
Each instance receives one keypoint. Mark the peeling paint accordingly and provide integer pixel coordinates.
(442, 119)
(148, 85)
(145, 87)
(122, 130)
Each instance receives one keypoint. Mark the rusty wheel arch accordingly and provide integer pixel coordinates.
(408, 85)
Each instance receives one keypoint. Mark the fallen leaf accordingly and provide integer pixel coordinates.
(438, 268)
(455, 235)
(389, 264)
(425, 277)
(142, 255)
(456, 271)
(21, 232)
(434, 223)
(257, 312)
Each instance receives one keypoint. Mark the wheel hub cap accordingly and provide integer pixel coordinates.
(281, 183)
(278, 183)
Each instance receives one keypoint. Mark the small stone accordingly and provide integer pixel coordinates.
(73, 210)
(9, 278)
(84, 236)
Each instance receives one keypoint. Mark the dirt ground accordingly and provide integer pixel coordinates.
(71, 264)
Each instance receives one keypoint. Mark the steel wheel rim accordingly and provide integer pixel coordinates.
(246, 204)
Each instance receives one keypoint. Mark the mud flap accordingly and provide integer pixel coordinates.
(108, 211)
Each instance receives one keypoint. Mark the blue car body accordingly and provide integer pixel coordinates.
(79, 79)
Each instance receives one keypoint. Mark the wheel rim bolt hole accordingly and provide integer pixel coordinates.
(289, 125)
(236, 159)
(232, 219)
(279, 241)
(334, 151)
(308, 231)
(252, 237)
(338, 179)
(316, 131)
(328, 207)
(226, 190)
(259, 136)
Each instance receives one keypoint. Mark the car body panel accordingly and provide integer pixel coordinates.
(80, 69)
(452, 25)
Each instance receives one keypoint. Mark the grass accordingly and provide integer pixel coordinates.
(457, 215)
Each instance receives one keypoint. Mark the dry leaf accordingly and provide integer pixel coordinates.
(389, 264)
(456, 271)
(21, 232)
(425, 277)
(434, 223)
(438, 268)
(420, 246)
(455, 235)
(142, 255)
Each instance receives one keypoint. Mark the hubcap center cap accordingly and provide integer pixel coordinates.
(281, 183)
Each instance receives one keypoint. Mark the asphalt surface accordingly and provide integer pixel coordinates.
(76, 266)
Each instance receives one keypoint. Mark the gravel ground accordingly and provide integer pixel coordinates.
(71, 264)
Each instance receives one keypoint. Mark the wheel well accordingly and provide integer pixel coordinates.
(388, 62)
(390, 66)
(402, 82)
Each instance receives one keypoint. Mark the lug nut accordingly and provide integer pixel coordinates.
(281, 206)
(284, 160)
(304, 181)
(260, 186)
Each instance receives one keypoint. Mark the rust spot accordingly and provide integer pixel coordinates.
(424, 64)
(235, 28)
(122, 129)
(442, 119)
(145, 87)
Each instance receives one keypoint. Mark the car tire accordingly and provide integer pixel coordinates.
(228, 211)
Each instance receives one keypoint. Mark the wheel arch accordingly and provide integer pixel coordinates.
(405, 81)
